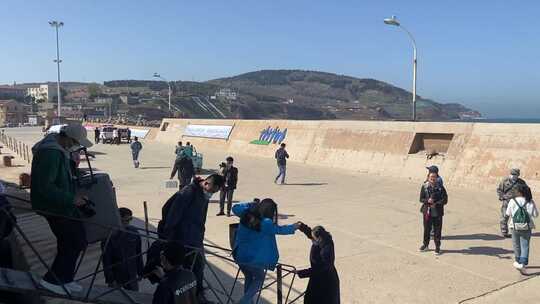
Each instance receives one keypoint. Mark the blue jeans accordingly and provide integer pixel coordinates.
(254, 282)
(282, 173)
(520, 241)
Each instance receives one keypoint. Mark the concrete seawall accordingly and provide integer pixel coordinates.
(468, 154)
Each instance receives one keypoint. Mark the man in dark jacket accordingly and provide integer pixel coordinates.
(433, 198)
(507, 191)
(184, 166)
(184, 219)
(176, 284)
(96, 135)
(53, 192)
(230, 173)
(281, 156)
(122, 259)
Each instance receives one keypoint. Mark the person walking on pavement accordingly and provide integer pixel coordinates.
(129, 135)
(96, 135)
(506, 191)
(179, 150)
(521, 211)
(136, 148)
(230, 173)
(53, 193)
(433, 197)
(281, 156)
(185, 169)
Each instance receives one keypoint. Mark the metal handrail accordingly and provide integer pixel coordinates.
(289, 269)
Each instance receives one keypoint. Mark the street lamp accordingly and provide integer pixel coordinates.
(393, 21)
(56, 25)
(156, 75)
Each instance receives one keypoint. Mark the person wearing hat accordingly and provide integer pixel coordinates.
(507, 191)
(53, 193)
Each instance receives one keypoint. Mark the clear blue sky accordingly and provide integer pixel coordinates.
(482, 53)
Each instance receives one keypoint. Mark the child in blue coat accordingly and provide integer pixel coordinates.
(255, 249)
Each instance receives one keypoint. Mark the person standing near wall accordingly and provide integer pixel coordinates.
(136, 148)
(281, 156)
(433, 197)
(230, 173)
(506, 191)
(521, 211)
(185, 169)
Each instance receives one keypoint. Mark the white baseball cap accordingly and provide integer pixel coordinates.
(78, 133)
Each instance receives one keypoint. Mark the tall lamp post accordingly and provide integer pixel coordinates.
(395, 22)
(56, 25)
(156, 75)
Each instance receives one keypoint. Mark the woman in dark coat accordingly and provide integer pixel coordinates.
(323, 286)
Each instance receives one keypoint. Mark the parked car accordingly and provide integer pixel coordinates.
(106, 135)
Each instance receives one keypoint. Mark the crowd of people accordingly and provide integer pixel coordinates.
(176, 261)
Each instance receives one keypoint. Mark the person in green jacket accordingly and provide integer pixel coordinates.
(53, 193)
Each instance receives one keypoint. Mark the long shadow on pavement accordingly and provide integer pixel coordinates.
(475, 236)
(482, 250)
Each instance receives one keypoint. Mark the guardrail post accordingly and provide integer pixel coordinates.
(279, 283)
(146, 224)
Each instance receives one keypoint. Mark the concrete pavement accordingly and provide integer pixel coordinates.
(374, 221)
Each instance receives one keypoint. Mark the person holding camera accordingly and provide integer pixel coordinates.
(433, 197)
(230, 173)
(53, 192)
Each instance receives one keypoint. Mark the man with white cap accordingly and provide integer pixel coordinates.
(53, 192)
(507, 191)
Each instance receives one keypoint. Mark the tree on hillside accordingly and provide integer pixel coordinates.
(94, 90)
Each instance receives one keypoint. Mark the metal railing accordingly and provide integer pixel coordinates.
(282, 270)
(18, 147)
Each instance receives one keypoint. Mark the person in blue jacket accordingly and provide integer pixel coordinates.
(255, 249)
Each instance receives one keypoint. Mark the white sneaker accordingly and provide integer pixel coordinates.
(518, 265)
(74, 287)
(52, 287)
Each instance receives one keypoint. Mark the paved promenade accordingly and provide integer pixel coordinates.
(374, 220)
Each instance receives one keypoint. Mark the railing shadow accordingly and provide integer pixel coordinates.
(220, 283)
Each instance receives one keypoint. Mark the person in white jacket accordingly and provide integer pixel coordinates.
(521, 224)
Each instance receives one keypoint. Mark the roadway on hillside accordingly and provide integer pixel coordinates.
(374, 221)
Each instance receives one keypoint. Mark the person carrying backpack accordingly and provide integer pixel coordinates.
(281, 156)
(521, 211)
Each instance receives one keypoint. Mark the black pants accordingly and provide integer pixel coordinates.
(225, 194)
(194, 261)
(436, 224)
(70, 241)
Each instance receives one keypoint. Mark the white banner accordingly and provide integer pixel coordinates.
(208, 131)
(140, 133)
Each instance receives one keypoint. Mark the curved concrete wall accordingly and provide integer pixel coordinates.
(478, 154)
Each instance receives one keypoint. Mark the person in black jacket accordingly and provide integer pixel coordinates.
(230, 173)
(176, 285)
(433, 197)
(184, 219)
(323, 286)
(185, 169)
(122, 259)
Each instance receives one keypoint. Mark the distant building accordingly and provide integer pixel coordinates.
(13, 112)
(126, 99)
(226, 93)
(44, 92)
(7, 92)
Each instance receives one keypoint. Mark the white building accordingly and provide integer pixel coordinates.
(227, 94)
(44, 92)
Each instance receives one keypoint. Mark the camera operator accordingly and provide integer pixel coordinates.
(53, 191)
(230, 173)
